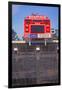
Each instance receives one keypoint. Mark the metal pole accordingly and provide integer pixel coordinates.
(45, 42)
(29, 41)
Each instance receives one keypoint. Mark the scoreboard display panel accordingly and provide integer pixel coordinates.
(37, 29)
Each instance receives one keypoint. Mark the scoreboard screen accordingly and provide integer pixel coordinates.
(37, 29)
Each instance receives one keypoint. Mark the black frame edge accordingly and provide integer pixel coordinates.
(33, 3)
(9, 45)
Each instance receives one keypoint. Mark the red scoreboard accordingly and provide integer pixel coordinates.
(37, 27)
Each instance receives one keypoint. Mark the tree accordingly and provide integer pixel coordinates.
(14, 35)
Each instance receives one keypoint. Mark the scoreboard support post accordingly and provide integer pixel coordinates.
(45, 42)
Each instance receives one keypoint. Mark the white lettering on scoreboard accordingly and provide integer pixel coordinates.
(44, 35)
(37, 17)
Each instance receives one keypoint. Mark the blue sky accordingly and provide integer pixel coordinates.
(19, 12)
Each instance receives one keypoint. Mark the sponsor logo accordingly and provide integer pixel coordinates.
(33, 35)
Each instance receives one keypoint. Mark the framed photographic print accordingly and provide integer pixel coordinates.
(34, 44)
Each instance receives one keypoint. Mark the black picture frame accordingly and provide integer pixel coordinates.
(10, 41)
